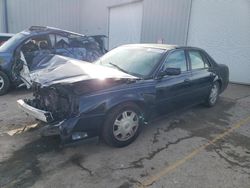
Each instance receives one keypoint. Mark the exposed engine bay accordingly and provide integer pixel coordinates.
(58, 101)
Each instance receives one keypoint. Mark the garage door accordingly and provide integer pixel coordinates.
(125, 24)
(222, 27)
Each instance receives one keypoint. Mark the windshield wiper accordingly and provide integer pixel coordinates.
(119, 68)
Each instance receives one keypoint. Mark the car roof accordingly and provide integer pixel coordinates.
(161, 46)
(47, 29)
(152, 45)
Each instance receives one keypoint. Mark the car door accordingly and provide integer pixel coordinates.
(174, 91)
(202, 75)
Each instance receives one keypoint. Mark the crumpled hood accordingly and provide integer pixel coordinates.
(59, 69)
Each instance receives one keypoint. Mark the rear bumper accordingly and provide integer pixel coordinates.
(42, 115)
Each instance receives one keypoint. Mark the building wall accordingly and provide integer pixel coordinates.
(58, 13)
(163, 20)
(222, 28)
(166, 20)
(95, 13)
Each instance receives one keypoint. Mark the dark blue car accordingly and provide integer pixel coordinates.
(21, 54)
(114, 96)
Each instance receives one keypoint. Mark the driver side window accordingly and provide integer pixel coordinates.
(176, 59)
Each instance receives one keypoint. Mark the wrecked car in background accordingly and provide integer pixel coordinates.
(23, 52)
(116, 94)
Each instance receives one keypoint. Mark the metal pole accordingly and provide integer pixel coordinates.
(6, 16)
(189, 17)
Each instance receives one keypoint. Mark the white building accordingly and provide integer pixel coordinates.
(221, 27)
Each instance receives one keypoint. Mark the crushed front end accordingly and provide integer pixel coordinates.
(55, 105)
(72, 96)
(57, 99)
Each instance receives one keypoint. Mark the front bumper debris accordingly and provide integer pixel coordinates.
(51, 129)
(42, 115)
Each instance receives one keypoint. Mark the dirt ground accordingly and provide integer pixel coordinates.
(197, 147)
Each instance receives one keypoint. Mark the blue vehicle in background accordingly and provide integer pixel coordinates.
(22, 53)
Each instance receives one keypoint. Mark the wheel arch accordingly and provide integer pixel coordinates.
(219, 80)
(139, 103)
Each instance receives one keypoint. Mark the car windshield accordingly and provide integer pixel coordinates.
(12, 42)
(137, 61)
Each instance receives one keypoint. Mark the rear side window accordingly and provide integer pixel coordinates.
(198, 61)
(61, 42)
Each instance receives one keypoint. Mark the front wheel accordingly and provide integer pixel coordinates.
(213, 95)
(122, 125)
(4, 83)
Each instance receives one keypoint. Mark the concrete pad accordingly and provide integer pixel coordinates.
(27, 160)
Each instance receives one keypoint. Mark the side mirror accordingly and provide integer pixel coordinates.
(169, 72)
(172, 71)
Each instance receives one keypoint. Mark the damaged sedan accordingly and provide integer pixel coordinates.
(22, 53)
(117, 94)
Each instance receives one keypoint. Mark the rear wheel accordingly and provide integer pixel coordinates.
(123, 125)
(4, 83)
(213, 95)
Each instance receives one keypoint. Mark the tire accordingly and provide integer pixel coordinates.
(122, 125)
(4, 83)
(213, 95)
